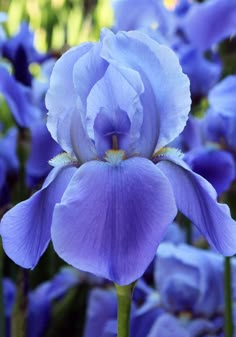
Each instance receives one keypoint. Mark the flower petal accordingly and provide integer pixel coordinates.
(203, 161)
(112, 218)
(88, 69)
(166, 99)
(21, 108)
(167, 326)
(188, 278)
(196, 198)
(102, 307)
(203, 73)
(115, 93)
(25, 229)
(222, 96)
(37, 166)
(142, 14)
(65, 119)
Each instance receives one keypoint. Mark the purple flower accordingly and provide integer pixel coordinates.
(143, 14)
(3, 18)
(40, 300)
(37, 166)
(203, 73)
(20, 50)
(202, 160)
(201, 23)
(167, 326)
(9, 164)
(221, 117)
(108, 202)
(18, 100)
(189, 279)
(101, 309)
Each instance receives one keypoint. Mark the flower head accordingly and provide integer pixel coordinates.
(112, 106)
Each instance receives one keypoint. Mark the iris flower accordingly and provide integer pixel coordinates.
(201, 23)
(189, 279)
(112, 106)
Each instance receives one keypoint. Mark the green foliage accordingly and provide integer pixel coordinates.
(68, 315)
(58, 23)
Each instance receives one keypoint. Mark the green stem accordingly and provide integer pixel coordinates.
(2, 311)
(20, 311)
(124, 297)
(229, 329)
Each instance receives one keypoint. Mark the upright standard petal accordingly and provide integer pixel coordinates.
(196, 198)
(112, 218)
(114, 94)
(65, 119)
(25, 229)
(166, 98)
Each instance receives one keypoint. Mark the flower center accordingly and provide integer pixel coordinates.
(114, 156)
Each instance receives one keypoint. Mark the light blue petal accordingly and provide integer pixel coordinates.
(114, 93)
(168, 326)
(65, 116)
(88, 69)
(142, 14)
(196, 198)
(112, 218)
(166, 97)
(222, 97)
(203, 161)
(25, 229)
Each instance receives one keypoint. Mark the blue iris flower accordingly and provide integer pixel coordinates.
(18, 99)
(189, 278)
(40, 300)
(9, 164)
(221, 116)
(20, 50)
(201, 153)
(112, 106)
(149, 15)
(201, 23)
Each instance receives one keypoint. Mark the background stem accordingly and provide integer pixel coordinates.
(19, 316)
(229, 329)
